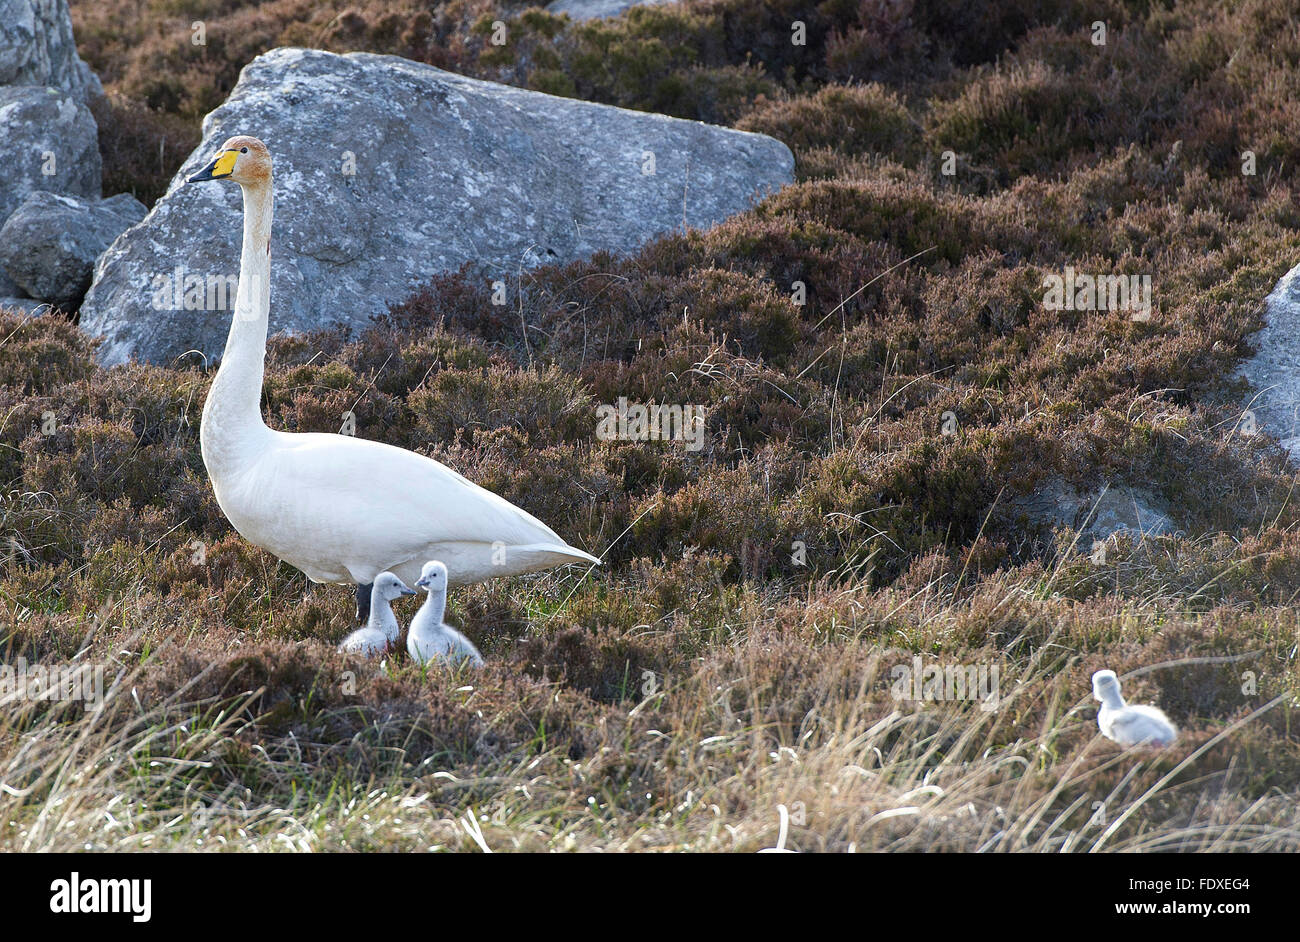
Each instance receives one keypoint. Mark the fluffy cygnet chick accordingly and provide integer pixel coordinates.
(429, 639)
(381, 630)
(1125, 724)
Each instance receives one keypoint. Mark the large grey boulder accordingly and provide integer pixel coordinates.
(48, 141)
(388, 172)
(1273, 405)
(50, 243)
(37, 48)
(599, 9)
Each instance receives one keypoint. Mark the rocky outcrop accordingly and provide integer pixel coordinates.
(48, 141)
(37, 48)
(49, 244)
(49, 144)
(599, 9)
(1273, 406)
(388, 172)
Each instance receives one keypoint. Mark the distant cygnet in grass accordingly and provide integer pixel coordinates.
(381, 630)
(429, 639)
(1129, 725)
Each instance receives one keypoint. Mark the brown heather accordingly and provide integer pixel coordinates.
(673, 699)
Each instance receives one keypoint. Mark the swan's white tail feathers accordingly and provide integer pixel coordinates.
(562, 549)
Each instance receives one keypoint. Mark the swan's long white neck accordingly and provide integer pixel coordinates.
(1111, 697)
(232, 427)
(382, 618)
(436, 606)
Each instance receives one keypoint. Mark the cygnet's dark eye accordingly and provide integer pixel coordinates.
(243, 150)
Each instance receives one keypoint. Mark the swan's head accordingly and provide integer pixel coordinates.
(389, 587)
(1105, 687)
(242, 159)
(433, 577)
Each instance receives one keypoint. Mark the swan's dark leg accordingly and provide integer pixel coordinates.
(363, 603)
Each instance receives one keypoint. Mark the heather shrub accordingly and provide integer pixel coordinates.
(41, 353)
(141, 146)
(1031, 118)
(548, 407)
(854, 119)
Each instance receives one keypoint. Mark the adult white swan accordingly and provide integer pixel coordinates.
(340, 508)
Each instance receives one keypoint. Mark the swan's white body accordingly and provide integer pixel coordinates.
(340, 508)
(1129, 725)
(381, 631)
(429, 638)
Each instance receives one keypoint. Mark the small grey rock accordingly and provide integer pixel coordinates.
(48, 141)
(50, 243)
(599, 9)
(26, 305)
(1095, 515)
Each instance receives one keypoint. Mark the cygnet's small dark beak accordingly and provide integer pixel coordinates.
(422, 583)
(406, 591)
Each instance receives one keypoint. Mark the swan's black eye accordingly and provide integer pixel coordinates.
(243, 150)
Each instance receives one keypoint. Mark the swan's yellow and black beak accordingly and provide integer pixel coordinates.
(222, 166)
